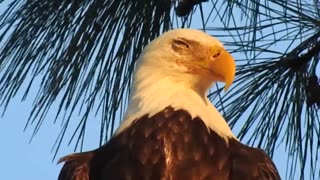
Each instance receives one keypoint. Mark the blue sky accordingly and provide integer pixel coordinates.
(33, 160)
(21, 159)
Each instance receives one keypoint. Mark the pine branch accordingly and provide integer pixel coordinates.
(81, 50)
(269, 103)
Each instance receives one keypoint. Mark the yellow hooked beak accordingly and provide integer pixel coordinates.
(219, 67)
(223, 67)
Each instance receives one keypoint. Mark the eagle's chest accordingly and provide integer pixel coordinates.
(171, 145)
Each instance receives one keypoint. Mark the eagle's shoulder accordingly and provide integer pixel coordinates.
(76, 166)
(251, 163)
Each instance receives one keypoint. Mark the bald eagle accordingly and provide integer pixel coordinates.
(171, 131)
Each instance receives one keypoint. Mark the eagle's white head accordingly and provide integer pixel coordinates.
(177, 69)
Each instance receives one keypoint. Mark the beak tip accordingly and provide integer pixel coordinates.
(228, 83)
(226, 87)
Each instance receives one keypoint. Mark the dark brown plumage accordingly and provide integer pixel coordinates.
(185, 6)
(312, 91)
(169, 145)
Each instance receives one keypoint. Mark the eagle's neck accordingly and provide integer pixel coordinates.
(155, 91)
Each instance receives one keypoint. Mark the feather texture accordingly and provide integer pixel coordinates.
(170, 145)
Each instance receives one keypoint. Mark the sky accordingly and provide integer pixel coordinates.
(33, 160)
(22, 159)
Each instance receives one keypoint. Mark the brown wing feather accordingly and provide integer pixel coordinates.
(252, 163)
(76, 166)
(267, 168)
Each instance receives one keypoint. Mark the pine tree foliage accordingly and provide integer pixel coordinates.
(80, 55)
(276, 99)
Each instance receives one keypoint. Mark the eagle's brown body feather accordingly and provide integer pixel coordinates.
(170, 145)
